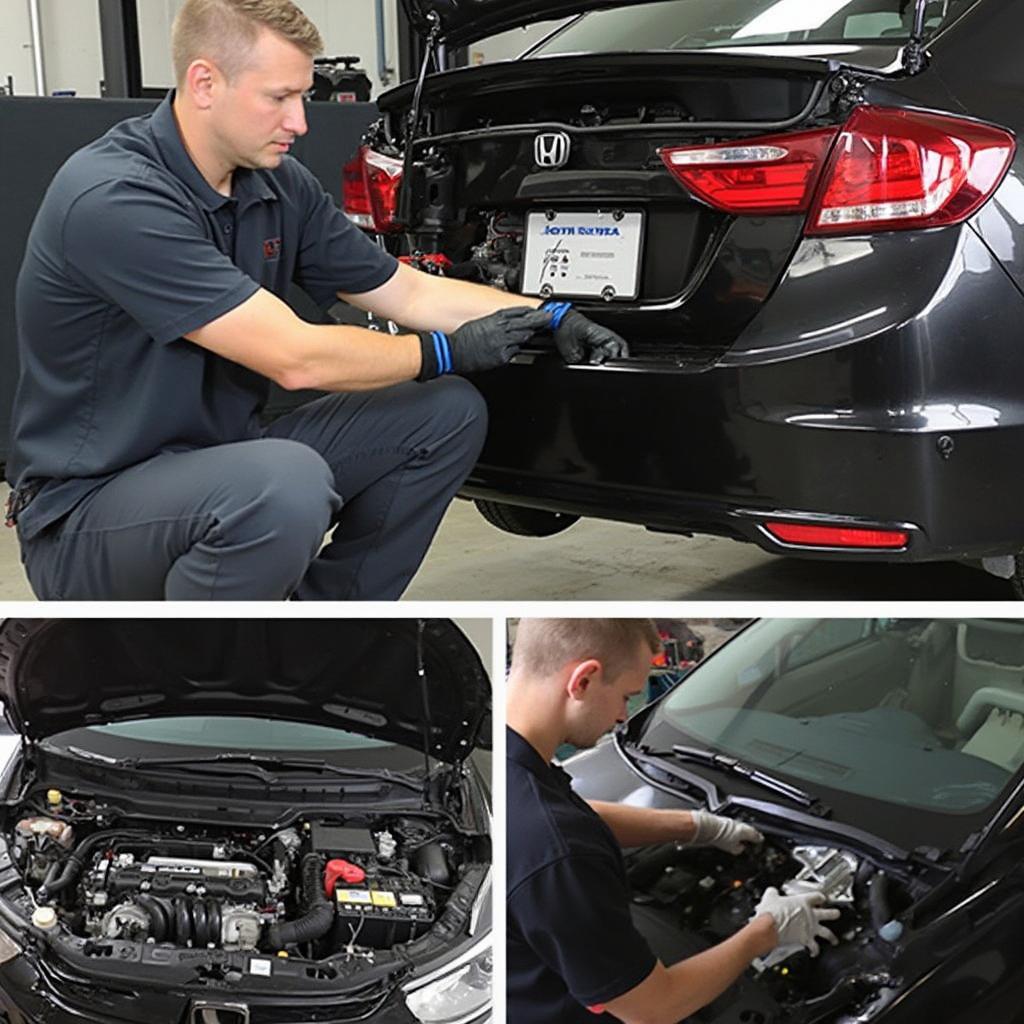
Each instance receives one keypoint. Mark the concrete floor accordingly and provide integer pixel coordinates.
(472, 561)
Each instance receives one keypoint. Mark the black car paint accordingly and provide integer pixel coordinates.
(881, 389)
(960, 959)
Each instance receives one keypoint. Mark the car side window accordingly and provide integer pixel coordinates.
(828, 637)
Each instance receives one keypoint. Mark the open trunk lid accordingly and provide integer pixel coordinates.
(486, 192)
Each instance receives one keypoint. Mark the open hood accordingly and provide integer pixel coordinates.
(462, 21)
(360, 675)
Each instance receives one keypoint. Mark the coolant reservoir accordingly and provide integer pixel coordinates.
(60, 831)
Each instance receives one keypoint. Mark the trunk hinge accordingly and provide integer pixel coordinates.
(404, 212)
(915, 56)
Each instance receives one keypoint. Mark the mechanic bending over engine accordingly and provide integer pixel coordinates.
(573, 950)
(150, 320)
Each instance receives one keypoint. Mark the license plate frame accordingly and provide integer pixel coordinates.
(583, 254)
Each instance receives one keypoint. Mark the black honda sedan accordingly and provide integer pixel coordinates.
(243, 822)
(807, 219)
(883, 759)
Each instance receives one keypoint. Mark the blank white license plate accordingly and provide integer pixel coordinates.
(583, 254)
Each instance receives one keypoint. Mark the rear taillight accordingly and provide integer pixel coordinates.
(812, 536)
(355, 196)
(886, 169)
(776, 174)
(370, 184)
(904, 169)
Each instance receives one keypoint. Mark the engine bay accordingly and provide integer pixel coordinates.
(320, 888)
(688, 899)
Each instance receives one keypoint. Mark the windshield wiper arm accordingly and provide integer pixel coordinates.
(276, 764)
(733, 766)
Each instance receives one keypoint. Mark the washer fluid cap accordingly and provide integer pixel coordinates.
(44, 917)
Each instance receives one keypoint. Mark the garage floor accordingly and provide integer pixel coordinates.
(594, 560)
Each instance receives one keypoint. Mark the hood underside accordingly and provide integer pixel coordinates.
(359, 675)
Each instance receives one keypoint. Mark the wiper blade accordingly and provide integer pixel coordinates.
(733, 766)
(268, 766)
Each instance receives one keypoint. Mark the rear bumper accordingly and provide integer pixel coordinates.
(881, 393)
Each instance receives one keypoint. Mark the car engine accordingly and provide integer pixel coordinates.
(688, 899)
(321, 887)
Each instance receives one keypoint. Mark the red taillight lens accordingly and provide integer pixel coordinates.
(889, 169)
(370, 185)
(776, 174)
(354, 194)
(836, 536)
(899, 169)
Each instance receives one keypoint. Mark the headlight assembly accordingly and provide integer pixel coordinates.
(459, 993)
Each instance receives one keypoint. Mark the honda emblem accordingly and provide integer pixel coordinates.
(551, 150)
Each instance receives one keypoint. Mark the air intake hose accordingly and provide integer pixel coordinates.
(319, 915)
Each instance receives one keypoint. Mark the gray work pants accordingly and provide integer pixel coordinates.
(246, 521)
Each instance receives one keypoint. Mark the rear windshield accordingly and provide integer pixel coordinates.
(699, 25)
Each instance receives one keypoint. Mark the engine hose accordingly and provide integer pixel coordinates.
(157, 912)
(182, 916)
(200, 926)
(878, 900)
(214, 922)
(319, 916)
(75, 862)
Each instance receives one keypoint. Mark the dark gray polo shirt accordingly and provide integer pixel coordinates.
(130, 250)
(571, 945)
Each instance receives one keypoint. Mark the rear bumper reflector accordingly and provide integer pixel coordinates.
(805, 535)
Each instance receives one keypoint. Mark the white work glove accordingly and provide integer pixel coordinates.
(723, 833)
(798, 919)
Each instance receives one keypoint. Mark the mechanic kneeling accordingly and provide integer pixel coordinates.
(150, 319)
(573, 950)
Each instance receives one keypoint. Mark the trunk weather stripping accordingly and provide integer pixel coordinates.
(614, 129)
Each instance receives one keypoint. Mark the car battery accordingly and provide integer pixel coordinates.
(382, 911)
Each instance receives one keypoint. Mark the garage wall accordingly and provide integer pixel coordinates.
(71, 46)
(16, 47)
(348, 26)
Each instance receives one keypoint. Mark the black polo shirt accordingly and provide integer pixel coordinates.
(131, 250)
(572, 945)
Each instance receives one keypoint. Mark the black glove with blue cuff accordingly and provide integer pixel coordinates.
(483, 344)
(580, 340)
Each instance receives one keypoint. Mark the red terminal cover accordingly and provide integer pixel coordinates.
(350, 873)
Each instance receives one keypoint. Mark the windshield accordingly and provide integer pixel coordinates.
(917, 713)
(699, 25)
(208, 735)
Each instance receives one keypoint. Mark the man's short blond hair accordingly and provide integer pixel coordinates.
(544, 646)
(225, 32)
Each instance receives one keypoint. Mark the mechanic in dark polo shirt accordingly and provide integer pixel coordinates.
(150, 320)
(573, 951)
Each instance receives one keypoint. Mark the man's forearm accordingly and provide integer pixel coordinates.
(641, 826)
(445, 303)
(343, 358)
(670, 994)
